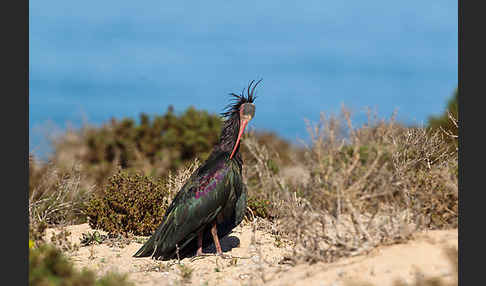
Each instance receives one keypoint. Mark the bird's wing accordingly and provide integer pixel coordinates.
(240, 206)
(194, 207)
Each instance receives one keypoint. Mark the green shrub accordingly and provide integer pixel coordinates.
(443, 120)
(156, 145)
(90, 238)
(130, 202)
(446, 123)
(49, 267)
(260, 207)
(37, 232)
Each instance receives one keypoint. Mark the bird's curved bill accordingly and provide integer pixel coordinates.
(243, 124)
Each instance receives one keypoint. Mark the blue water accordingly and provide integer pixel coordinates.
(90, 61)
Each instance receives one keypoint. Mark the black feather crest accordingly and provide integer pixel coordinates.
(238, 100)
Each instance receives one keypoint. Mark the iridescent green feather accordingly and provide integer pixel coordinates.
(188, 214)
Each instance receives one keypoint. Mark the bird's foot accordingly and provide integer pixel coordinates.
(201, 255)
(224, 256)
(196, 258)
(229, 256)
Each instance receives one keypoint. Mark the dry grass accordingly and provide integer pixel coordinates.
(364, 187)
(57, 196)
(175, 182)
(185, 272)
(367, 186)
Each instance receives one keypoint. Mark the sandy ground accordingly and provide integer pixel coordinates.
(256, 255)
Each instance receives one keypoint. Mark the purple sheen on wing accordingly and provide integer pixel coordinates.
(211, 183)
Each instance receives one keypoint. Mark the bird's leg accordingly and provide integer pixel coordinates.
(199, 243)
(200, 254)
(219, 217)
(214, 232)
(219, 251)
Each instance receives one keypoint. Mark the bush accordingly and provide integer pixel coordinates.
(259, 207)
(426, 168)
(286, 152)
(49, 267)
(37, 232)
(367, 186)
(447, 122)
(443, 121)
(261, 174)
(156, 146)
(130, 203)
(56, 196)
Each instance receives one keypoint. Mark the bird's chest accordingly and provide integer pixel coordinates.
(233, 189)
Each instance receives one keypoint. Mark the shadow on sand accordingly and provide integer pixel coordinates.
(227, 244)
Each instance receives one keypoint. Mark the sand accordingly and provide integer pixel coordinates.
(256, 256)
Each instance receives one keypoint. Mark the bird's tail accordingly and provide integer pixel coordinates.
(147, 249)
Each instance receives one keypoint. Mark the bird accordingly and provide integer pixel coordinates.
(213, 200)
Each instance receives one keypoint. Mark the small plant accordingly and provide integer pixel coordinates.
(92, 253)
(185, 272)
(113, 279)
(233, 261)
(278, 241)
(48, 266)
(61, 241)
(92, 238)
(37, 232)
(119, 240)
(164, 267)
(260, 207)
(140, 240)
(156, 266)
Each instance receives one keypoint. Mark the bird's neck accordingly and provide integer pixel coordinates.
(229, 135)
